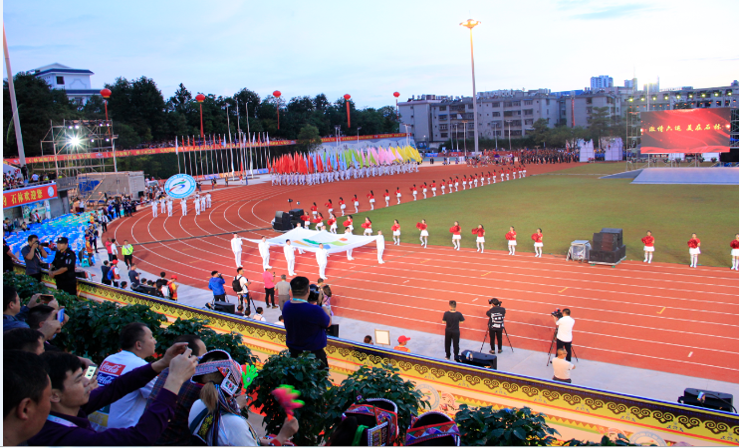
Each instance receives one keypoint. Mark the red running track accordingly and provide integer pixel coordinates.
(661, 316)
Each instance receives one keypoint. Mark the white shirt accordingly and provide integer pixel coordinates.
(562, 368)
(289, 251)
(281, 324)
(128, 410)
(113, 249)
(565, 330)
(233, 431)
(263, 248)
(236, 244)
(244, 287)
(322, 256)
(380, 242)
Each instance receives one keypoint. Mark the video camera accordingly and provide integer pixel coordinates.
(557, 313)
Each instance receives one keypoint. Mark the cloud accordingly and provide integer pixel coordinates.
(612, 12)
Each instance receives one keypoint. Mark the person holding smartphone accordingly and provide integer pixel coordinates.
(34, 254)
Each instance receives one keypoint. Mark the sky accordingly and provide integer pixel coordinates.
(372, 49)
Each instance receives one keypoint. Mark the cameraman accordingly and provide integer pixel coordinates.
(496, 314)
(564, 331)
(215, 284)
(33, 254)
(306, 321)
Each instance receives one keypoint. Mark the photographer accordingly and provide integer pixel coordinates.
(215, 284)
(564, 330)
(306, 321)
(496, 314)
(34, 254)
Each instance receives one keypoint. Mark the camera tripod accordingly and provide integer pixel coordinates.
(554, 338)
(487, 332)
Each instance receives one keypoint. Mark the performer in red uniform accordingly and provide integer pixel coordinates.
(424, 232)
(314, 209)
(306, 221)
(342, 205)
(694, 249)
(511, 237)
(538, 242)
(371, 197)
(387, 198)
(425, 189)
(455, 230)
(480, 232)
(318, 221)
(330, 206)
(332, 223)
(349, 224)
(464, 182)
(735, 253)
(648, 247)
(398, 194)
(495, 175)
(414, 191)
(396, 232)
(433, 187)
(443, 187)
(456, 184)
(490, 175)
(367, 226)
(356, 204)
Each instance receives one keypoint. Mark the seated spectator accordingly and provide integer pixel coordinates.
(124, 285)
(365, 419)
(402, 341)
(259, 315)
(433, 429)
(14, 315)
(280, 321)
(215, 419)
(368, 340)
(26, 396)
(177, 432)
(44, 318)
(72, 400)
(137, 343)
(24, 339)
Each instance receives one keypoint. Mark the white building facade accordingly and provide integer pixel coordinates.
(76, 82)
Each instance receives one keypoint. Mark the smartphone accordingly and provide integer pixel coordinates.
(60, 315)
(46, 298)
(90, 372)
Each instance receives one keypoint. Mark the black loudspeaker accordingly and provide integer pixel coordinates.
(479, 359)
(617, 236)
(333, 330)
(282, 221)
(707, 399)
(225, 307)
(729, 157)
(606, 256)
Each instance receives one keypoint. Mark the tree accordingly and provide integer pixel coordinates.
(540, 133)
(309, 138)
(600, 123)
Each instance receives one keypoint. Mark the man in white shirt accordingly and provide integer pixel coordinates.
(236, 244)
(244, 293)
(289, 257)
(564, 332)
(562, 367)
(137, 343)
(264, 252)
(322, 259)
(380, 246)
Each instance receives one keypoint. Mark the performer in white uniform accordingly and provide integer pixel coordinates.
(380, 246)
(162, 203)
(264, 252)
(208, 202)
(349, 257)
(236, 248)
(154, 209)
(289, 257)
(203, 203)
(183, 204)
(322, 259)
(197, 205)
(169, 207)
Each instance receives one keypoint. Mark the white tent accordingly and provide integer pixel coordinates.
(10, 169)
(614, 149)
(309, 240)
(586, 150)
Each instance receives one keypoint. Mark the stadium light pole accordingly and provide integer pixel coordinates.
(471, 24)
(509, 134)
(14, 104)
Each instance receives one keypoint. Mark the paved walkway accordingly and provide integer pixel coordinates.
(599, 375)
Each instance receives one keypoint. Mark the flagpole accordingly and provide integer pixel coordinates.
(177, 154)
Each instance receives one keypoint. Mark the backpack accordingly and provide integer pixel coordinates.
(165, 290)
(111, 274)
(236, 284)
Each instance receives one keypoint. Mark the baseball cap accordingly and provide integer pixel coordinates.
(62, 240)
(403, 339)
(174, 277)
(114, 262)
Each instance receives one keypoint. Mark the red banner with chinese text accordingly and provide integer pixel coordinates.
(21, 196)
(193, 147)
(692, 131)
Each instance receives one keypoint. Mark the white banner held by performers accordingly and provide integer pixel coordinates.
(309, 240)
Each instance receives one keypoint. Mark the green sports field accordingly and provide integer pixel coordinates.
(573, 204)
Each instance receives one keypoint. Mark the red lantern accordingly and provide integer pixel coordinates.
(105, 93)
(277, 93)
(396, 94)
(348, 118)
(200, 98)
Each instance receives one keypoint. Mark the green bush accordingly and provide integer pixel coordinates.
(25, 285)
(506, 427)
(621, 440)
(375, 382)
(306, 375)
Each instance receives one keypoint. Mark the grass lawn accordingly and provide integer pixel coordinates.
(574, 207)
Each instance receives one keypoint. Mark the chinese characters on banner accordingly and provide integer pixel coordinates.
(690, 131)
(15, 198)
